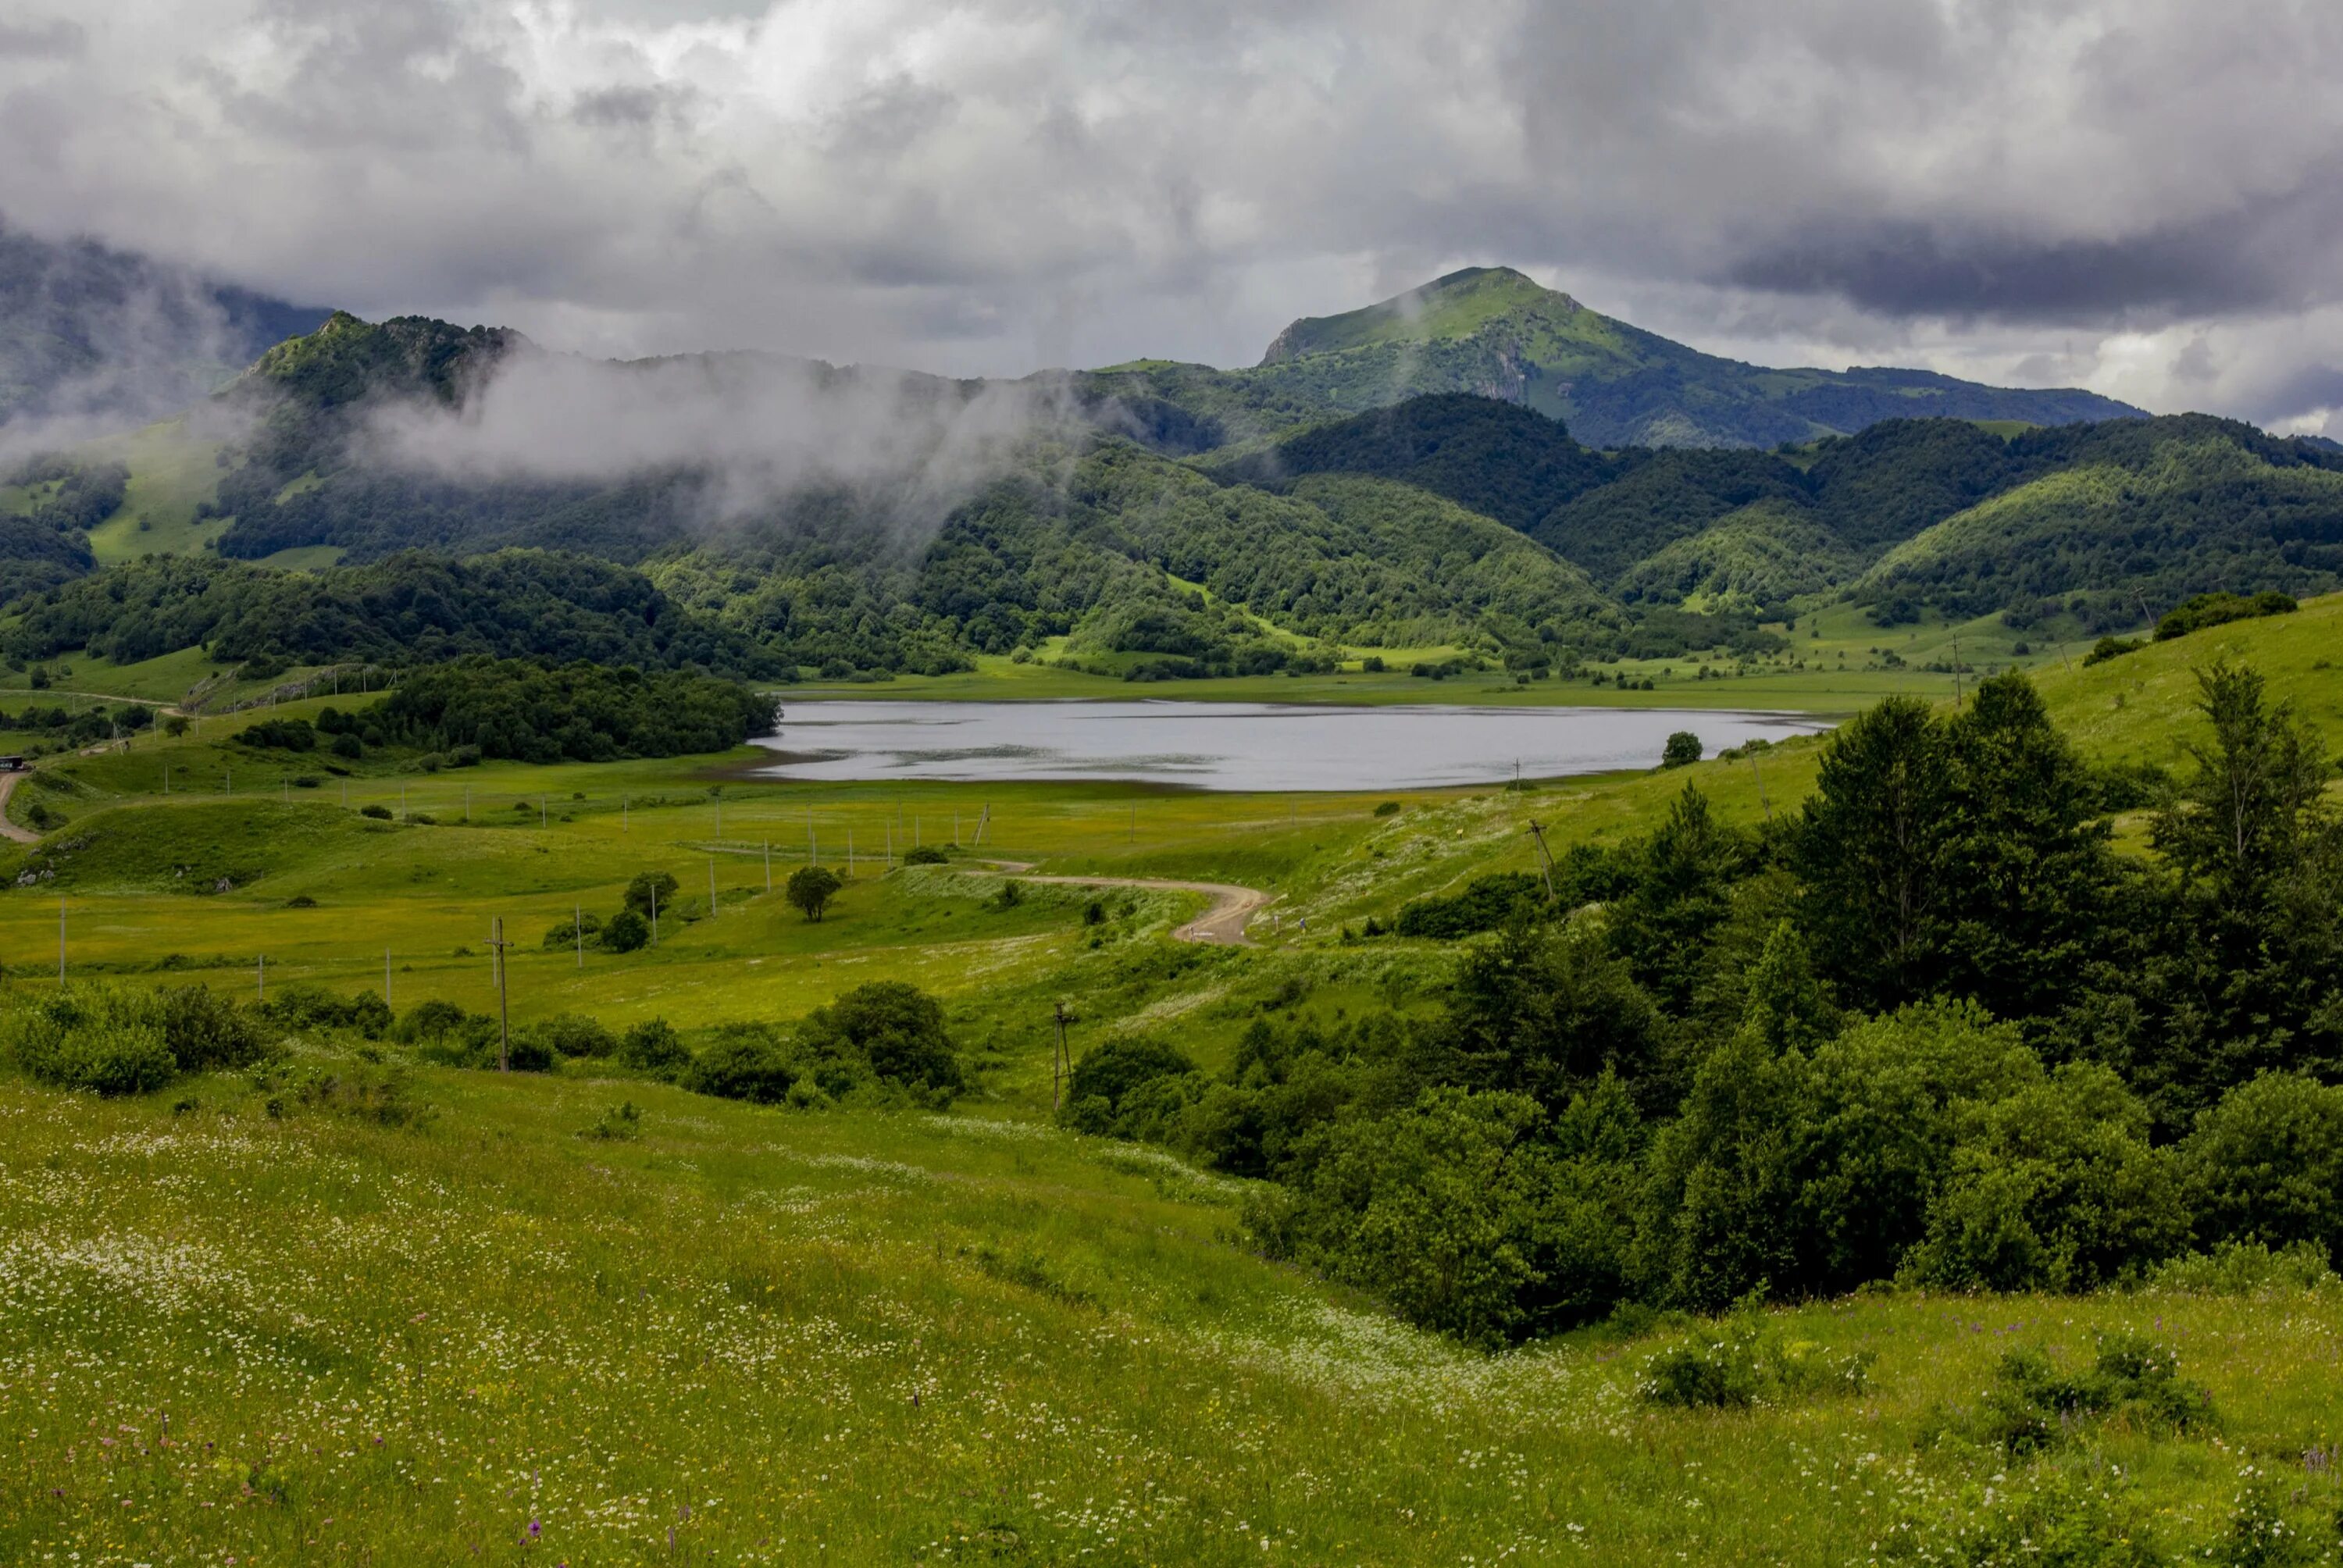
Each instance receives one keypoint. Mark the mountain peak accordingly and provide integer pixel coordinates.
(1453, 307)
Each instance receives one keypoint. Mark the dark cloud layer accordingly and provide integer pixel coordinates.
(2141, 195)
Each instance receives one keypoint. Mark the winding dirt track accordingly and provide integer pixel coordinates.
(8, 782)
(1222, 925)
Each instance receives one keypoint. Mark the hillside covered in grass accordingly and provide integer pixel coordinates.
(1702, 1209)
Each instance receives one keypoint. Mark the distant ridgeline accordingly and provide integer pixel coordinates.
(1177, 520)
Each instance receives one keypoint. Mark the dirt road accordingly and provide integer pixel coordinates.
(8, 782)
(1222, 925)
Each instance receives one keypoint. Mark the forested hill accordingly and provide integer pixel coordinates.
(2114, 522)
(1495, 333)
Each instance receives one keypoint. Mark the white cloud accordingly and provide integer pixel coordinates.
(992, 185)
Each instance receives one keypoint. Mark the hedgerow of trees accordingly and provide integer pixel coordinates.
(1931, 1028)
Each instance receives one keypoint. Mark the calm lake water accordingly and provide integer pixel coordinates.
(1238, 745)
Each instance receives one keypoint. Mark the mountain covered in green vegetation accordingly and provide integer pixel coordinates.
(1495, 333)
(1144, 522)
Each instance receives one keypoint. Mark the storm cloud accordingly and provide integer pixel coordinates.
(2138, 196)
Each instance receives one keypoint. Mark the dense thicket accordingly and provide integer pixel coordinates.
(576, 712)
(411, 609)
(1932, 1028)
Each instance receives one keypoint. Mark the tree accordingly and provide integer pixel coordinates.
(2022, 859)
(1544, 1010)
(1683, 748)
(1869, 849)
(2245, 815)
(626, 931)
(811, 888)
(650, 892)
(892, 1030)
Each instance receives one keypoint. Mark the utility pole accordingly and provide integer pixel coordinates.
(719, 818)
(386, 977)
(260, 976)
(711, 887)
(768, 865)
(1956, 672)
(890, 846)
(623, 802)
(1760, 776)
(849, 854)
(1061, 1065)
(540, 813)
(578, 925)
(1546, 858)
(497, 944)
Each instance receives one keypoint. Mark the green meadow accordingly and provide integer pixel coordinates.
(355, 1307)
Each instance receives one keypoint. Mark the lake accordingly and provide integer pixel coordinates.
(1239, 745)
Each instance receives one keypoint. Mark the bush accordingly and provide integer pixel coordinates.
(93, 1038)
(2034, 1404)
(1107, 1084)
(429, 1023)
(2108, 647)
(626, 932)
(744, 1062)
(573, 1034)
(890, 1030)
(2244, 1268)
(279, 735)
(205, 1030)
(649, 891)
(1481, 906)
(2219, 608)
(1683, 749)
(924, 855)
(349, 747)
(314, 1007)
(380, 813)
(2266, 1165)
(565, 933)
(1743, 1361)
(653, 1047)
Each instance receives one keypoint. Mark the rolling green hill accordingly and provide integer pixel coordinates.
(1494, 332)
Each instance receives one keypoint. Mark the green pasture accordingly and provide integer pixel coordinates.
(351, 1313)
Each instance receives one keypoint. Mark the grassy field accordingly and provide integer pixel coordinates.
(336, 1316)
(358, 1309)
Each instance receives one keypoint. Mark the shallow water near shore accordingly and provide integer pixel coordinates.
(1239, 746)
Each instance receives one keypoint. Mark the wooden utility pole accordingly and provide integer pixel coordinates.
(1760, 776)
(1061, 1065)
(711, 887)
(497, 944)
(260, 977)
(1545, 860)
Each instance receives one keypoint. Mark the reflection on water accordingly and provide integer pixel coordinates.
(1239, 745)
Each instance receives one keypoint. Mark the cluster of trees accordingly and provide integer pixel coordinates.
(409, 610)
(486, 707)
(45, 541)
(1932, 1028)
(84, 728)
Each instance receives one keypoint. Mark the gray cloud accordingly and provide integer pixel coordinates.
(2015, 189)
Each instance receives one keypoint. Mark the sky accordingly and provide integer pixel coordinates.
(2140, 196)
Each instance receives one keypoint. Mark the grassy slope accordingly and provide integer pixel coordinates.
(740, 1305)
(857, 1338)
(171, 472)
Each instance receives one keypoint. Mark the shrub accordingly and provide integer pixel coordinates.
(204, 1031)
(573, 1034)
(649, 891)
(92, 1037)
(349, 747)
(2219, 608)
(2244, 1268)
(2034, 1404)
(626, 932)
(2266, 1164)
(429, 1023)
(314, 1007)
(565, 933)
(744, 1062)
(2108, 647)
(1387, 809)
(380, 813)
(924, 855)
(653, 1047)
(279, 734)
(1683, 748)
(1744, 1360)
(1107, 1082)
(890, 1030)
(1481, 906)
